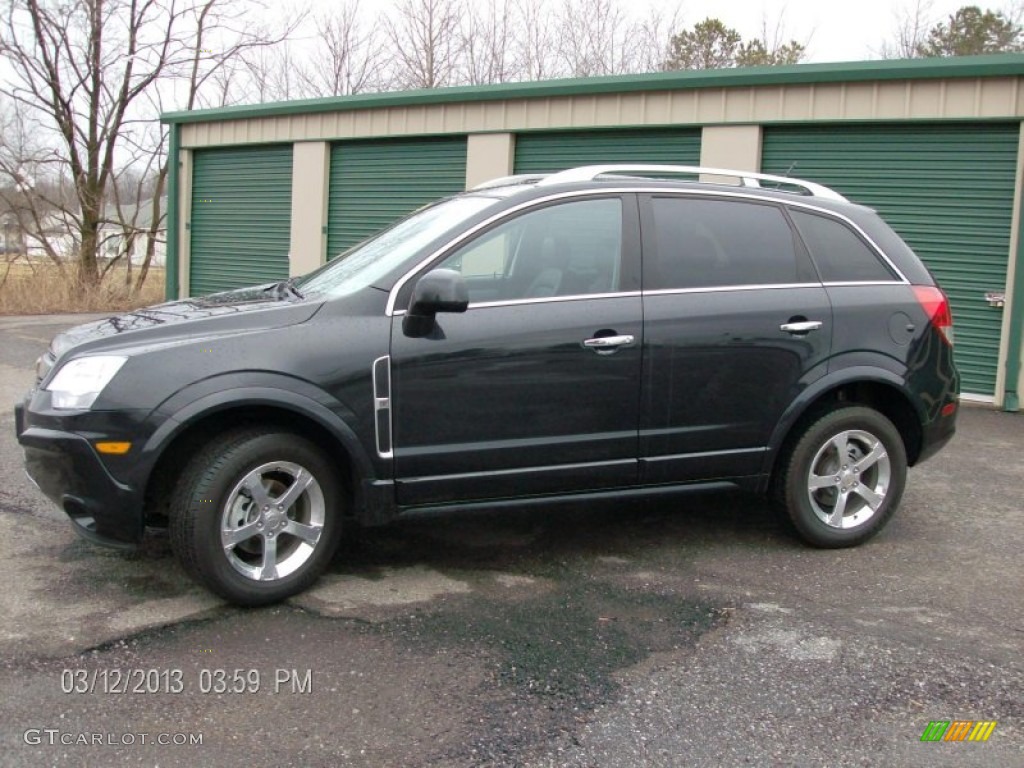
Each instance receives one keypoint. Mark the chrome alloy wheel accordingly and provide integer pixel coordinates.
(272, 521)
(849, 479)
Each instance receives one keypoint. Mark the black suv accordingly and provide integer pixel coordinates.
(607, 331)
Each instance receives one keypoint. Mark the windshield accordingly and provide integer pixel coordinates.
(372, 259)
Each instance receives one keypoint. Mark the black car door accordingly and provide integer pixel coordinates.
(535, 388)
(736, 323)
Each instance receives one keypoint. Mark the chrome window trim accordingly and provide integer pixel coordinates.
(846, 283)
(543, 300)
(639, 190)
(730, 288)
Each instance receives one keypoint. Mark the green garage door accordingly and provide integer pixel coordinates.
(374, 183)
(946, 189)
(241, 217)
(548, 152)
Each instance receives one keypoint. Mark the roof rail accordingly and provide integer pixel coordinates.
(747, 178)
(508, 181)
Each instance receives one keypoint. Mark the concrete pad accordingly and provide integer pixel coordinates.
(63, 595)
(358, 596)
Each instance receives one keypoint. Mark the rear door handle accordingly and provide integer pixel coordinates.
(607, 344)
(805, 326)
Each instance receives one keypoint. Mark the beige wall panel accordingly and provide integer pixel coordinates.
(683, 107)
(345, 125)
(600, 111)
(996, 97)
(829, 103)
(892, 100)
(382, 122)
(767, 103)
(184, 216)
(633, 109)
(558, 112)
(736, 147)
(708, 106)
(859, 99)
(474, 114)
(495, 114)
(739, 104)
(362, 123)
(658, 108)
(961, 97)
(515, 113)
(796, 103)
(488, 156)
(926, 100)
(896, 100)
(310, 172)
(1017, 377)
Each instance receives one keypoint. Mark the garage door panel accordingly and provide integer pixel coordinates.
(946, 189)
(556, 151)
(375, 183)
(240, 224)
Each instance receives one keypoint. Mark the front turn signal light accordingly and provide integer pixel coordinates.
(113, 448)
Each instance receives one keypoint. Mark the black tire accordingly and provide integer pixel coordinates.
(297, 537)
(840, 514)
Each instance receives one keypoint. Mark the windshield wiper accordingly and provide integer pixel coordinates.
(285, 288)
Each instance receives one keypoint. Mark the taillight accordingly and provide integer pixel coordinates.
(936, 306)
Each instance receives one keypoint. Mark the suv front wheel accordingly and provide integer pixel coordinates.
(844, 477)
(255, 516)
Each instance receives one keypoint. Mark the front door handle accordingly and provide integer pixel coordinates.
(605, 345)
(805, 326)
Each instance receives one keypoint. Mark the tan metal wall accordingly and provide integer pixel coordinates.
(953, 99)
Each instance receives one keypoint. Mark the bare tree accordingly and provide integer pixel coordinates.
(424, 35)
(596, 37)
(654, 33)
(34, 192)
(771, 48)
(348, 59)
(80, 70)
(910, 29)
(486, 36)
(535, 40)
(274, 74)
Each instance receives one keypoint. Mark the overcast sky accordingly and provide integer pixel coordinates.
(834, 30)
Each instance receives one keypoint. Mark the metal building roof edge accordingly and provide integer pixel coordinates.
(994, 65)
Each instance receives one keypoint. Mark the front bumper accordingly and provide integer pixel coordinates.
(66, 468)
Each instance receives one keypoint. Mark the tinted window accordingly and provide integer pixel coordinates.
(568, 249)
(707, 243)
(837, 250)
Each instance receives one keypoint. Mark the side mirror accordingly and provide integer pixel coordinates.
(440, 290)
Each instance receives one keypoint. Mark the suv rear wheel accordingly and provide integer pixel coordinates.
(844, 477)
(255, 516)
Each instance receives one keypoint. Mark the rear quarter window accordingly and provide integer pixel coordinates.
(839, 253)
(701, 243)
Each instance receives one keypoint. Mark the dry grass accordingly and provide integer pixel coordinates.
(38, 289)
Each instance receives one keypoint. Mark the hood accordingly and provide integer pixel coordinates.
(246, 309)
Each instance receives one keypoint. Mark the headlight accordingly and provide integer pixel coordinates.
(78, 383)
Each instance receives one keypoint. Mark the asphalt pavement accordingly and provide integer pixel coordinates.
(691, 631)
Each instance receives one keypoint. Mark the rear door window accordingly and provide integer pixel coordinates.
(701, 243)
